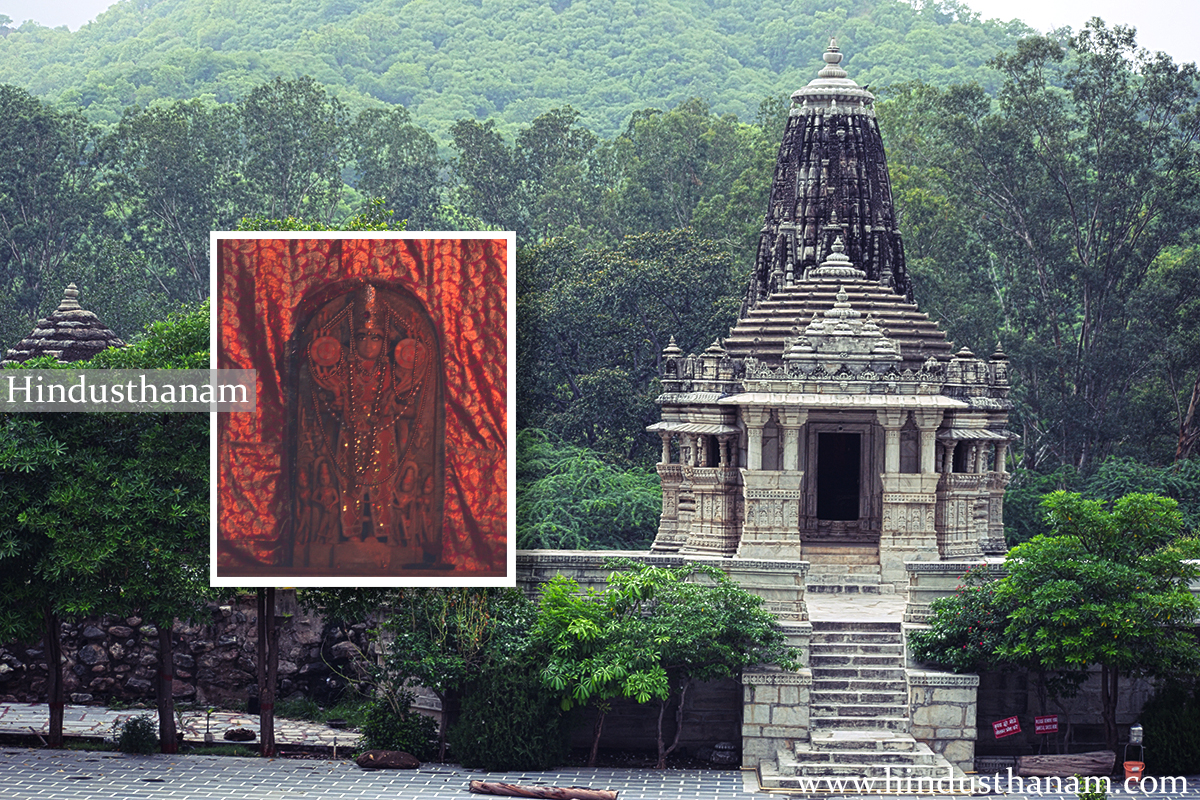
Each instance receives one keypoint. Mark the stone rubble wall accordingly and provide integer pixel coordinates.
(114, 660)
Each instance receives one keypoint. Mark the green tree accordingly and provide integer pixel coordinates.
(705, 627)
(297, 144)
(568, 498)
(397, 162)
(108, 513)
(599, 648)
(1073, 193)
(176, 171)
(592, 325)
(48, 198)
(1108, 587)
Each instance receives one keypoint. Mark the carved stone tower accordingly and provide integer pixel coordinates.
(835, 424)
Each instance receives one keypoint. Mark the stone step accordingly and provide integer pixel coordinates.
(866, 570)
(854, 710)
(819, 659)
(788, 767)
(851, 648)
(846, 588)
(862, 740)
(880, 757)
(834, 722)
(849, 685)
(847, 626)
(863, 673)
(823, 698)
(840, 637)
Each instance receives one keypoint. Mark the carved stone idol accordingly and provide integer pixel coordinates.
(369, 464)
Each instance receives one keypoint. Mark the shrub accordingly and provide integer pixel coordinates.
(509, 721)
(394, 725)
(137, 735)
(1171, 721)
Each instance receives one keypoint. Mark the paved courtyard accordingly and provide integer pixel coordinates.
(27, 774)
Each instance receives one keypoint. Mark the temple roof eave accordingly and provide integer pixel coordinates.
(844, 402)
(705, 428)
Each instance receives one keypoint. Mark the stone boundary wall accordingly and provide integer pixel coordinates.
(113, 660)
(943, 710)
(775, 708)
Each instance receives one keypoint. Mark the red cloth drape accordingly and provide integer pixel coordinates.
(463, 284)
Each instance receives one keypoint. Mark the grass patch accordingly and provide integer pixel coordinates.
(352, 709)
(238, 750)
(90, 745)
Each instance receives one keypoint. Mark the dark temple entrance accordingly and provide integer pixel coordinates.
(838, 475)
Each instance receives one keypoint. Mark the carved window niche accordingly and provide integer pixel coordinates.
(368, 427)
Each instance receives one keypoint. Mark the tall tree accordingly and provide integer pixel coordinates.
(176, 171)
(297, 144)
(592, 325)
(108, 513)
(48, 197)
(397, 161)
(1075, 191)
(1107, 587)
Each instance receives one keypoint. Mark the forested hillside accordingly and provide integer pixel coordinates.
(1049, 202)
(508, 60)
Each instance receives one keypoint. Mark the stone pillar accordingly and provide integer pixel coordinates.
(927, 423)
(792, 420)
(1001, 455)
(756, 417)
(702, 451)
(891, 421)
(666, 447)
(723, 443)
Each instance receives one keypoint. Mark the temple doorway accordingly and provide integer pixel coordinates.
(838, 476)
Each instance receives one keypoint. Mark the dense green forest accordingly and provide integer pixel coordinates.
(507, 60)
(1048, 188)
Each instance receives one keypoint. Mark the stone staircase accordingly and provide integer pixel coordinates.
(844, 569)
(858, 715)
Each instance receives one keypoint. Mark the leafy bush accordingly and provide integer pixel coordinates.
(568, 498)
(966, 628)
(510, 721)
(394, 725)
(1171, 721)
(137, 735)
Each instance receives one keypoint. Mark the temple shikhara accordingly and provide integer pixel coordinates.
(834, 423)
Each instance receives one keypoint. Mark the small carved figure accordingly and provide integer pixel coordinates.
(369, 421)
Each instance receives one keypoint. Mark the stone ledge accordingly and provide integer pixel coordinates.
(801, 678)
(917, 677)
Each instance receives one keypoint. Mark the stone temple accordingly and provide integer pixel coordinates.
(71, 333)
(838, 457)
(835, 423)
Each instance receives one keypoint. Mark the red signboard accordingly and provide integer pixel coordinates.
(1006, 727)
(1047, 724)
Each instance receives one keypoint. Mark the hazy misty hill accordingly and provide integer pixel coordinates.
(508, 59)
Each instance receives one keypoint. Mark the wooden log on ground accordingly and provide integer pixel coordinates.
(552, 792)
(1098, 762)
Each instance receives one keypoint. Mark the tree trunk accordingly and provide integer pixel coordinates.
(596, 731)
(167, 735)
(54, 678)
(451, 709)
(662, 754)
(1108, 697)
(268, 667)
(1189, 427)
